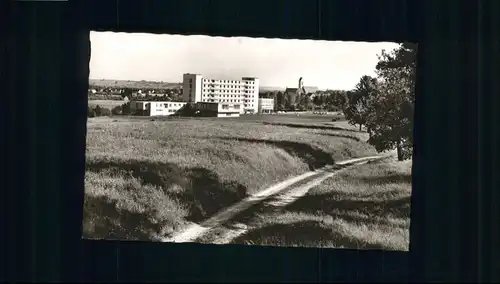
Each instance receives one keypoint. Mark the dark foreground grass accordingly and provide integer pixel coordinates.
(367, 207)
(147, 179)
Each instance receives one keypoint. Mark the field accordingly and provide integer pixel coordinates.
(109, 104)
(367, 207)
(147, 178)
(104, 83)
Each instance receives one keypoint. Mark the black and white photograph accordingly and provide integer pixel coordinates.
(251, 141)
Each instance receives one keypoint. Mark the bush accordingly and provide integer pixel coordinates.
(125, 108)
(117, 110)
(105, 112)
(91, 112)
(97, 110)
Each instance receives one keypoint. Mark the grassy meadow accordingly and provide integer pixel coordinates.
(365, 207)
(146, 178)
(109, 104)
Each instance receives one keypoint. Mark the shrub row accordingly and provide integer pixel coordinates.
(95, 111)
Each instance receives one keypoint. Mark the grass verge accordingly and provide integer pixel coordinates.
(366, 207)
(145, 179)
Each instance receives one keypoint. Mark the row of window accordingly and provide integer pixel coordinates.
(167, 105)
(230, 92)
(223, 91)
(234, 90)
(227, 106)
(222, 101)
(226, 81)
(246, 97)
(167, 110)
(222, 95)
(239, 86)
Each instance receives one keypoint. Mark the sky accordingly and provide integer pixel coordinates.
(276, 62)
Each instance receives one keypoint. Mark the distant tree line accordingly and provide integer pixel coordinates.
(330, 100)
(96, 111)
(385, 105)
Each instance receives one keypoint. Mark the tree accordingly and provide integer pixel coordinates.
(127, 93)
(105, 112)
(91, 112)
(280, 101)
(117, 110)
(97, 110)
(317, 101)
(391, 119)
(125, 108)
(305, 102)
(338, 99)
(290, 101)
(359, 101)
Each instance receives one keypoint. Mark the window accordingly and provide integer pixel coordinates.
(225, 107)
(236, 106)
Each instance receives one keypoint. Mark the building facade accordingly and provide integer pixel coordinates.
(266, 105)
(155, 108)
(211, 109)
(196, 88)
(294, 94)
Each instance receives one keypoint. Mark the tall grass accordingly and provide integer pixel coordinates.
(365, 207)
(146, 178)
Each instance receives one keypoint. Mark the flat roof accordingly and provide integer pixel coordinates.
(159, 102)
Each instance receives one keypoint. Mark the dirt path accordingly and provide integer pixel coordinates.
(285, 191)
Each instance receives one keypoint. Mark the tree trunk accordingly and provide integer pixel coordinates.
(360, 126)
(400, 151)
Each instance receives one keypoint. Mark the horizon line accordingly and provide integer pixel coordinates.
(180, 82)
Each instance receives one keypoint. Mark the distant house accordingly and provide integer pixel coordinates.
(155, 108)
(150, 108)
(294, 93)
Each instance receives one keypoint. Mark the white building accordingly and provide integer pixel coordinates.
(218, 109)
(266, 105)
(155, 108)
(196, 89)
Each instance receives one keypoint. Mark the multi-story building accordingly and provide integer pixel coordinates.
(266, 105)
(155, 108)
(196, 89)
(218, 109)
